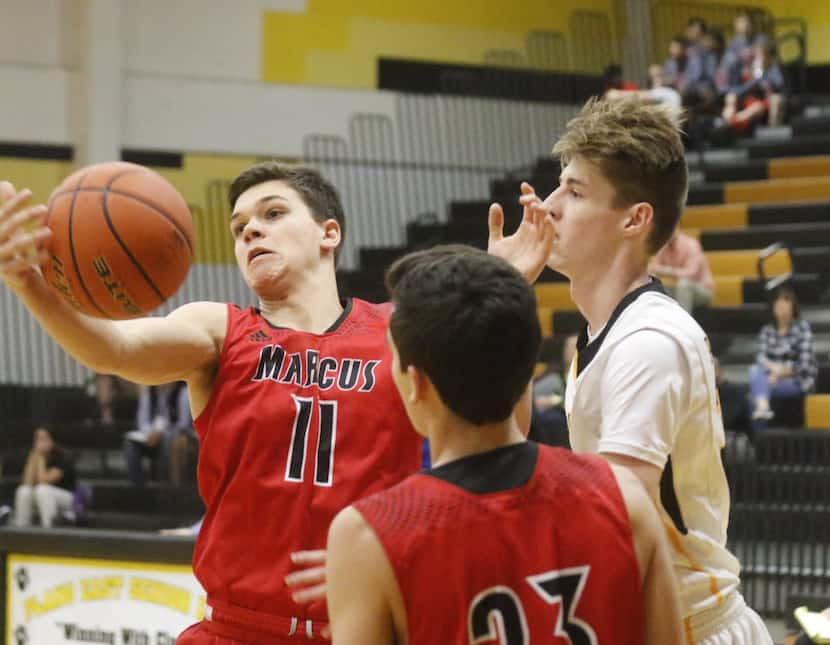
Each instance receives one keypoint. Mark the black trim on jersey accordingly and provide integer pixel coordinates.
(585, 350)
(347, 309)
(668, 497)
(492, 471)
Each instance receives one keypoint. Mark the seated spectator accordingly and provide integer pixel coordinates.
(548, 423)
(786, 367)
(696, 30)
(112, 396)
(744, 41)
(757, 96)
(612, 79)
(674, 67)
(700, 92)
(163, 413)
(48, 483)
(682, 259)
(658, 92)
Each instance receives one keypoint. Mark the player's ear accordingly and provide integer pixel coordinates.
(419, 384)
(638, 218)
(331, 234)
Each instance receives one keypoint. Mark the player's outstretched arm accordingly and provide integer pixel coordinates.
(147, 350)
(362, 593)
(659, 585)
(529, 248)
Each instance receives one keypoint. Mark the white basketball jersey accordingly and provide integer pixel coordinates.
(645, 387)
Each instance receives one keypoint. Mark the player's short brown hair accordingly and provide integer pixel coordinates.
(316, 191)
(468, 321)
(638, 148)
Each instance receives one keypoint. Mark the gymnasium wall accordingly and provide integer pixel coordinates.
(337, 44)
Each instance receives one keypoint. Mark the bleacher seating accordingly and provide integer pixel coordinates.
(98, 454)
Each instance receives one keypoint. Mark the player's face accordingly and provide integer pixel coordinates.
(276, 239)
(588, 226)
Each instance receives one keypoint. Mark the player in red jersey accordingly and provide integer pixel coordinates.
(293, 401)
(503, 540)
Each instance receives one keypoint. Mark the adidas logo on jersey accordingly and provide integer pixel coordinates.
(259, 336)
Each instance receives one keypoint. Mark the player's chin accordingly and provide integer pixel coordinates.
(266, 282)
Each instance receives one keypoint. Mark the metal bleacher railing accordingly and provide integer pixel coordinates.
(780, 520)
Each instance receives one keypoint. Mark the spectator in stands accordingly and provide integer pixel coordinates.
(48, 483)
(785, 368)
(682, 259)
(674, 67)
(163, 414)
(744, 41)
(695, 32)
(548, 423)
(758, 94)
(700, 92)
(659, 91)
(111, 395)
(613, 80)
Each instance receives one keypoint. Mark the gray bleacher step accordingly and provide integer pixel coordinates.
(778, 133)
(715, 156)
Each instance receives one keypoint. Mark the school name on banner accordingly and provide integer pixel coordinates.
(72, 600)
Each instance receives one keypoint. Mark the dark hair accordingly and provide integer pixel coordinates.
(717, 36)
(316, 191)
(784, 291)
(468, 321)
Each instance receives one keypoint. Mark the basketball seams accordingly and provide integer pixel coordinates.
(75, 265)
(125, 248)
(140, 200)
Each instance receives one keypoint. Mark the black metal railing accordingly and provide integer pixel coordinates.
(780, 522)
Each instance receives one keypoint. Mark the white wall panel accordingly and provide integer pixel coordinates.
(35, 104)
(198, 38)
(238, 117)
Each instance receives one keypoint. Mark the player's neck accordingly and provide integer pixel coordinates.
(453, 439)
(312, 306)
(596, 296)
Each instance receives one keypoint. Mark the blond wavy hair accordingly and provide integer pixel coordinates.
(639, 150)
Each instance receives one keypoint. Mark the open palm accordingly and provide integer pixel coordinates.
(530, 246)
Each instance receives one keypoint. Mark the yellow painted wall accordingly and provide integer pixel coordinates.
(337, 44)
(39, 176)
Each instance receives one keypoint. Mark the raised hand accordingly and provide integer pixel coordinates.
(23, 235)
(530, 246)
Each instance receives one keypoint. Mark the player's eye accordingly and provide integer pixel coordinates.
(271, 213)
(575, 194)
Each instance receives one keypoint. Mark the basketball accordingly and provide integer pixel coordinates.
(122, 240)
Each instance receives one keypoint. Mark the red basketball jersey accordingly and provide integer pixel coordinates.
(523, 544)
(299, 426)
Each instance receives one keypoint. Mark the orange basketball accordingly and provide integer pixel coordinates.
(122, 240)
